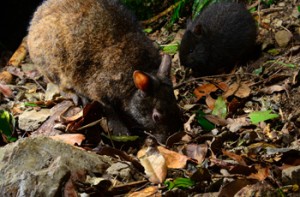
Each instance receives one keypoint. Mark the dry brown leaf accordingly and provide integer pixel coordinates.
(71, 139)
(5, 90)
(235, 124)
(173, 159)
(272, 89)
(216, 120)
(196, 151)
(204, 90)
(187, 125)
(148, 191)
(19, 54)
(223, 86)
(210, 102)
(233, 187)
(262, 173)
(240, 90)
(154, 164)
(243, 91)
(235, 157)
(6, 77)
(67, 119)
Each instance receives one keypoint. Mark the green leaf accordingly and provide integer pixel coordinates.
(27, 104)
(220, 108)
(170, 48)
(281, 63)
(258, 71)
(180, 182)
(273, 52)
(298, 8)
(260, 116)
(204, 123)
(148, 30)
(7, 125)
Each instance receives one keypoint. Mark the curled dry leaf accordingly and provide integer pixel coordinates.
(216, 120)
(233, 187)
(154, 164)
(240, 90)
(235, 124)
(187, 125)
(5, 90)
(204, 90)
(272, 89)
(261, 174)
(19, 54)
(210, 102)
(173, 159)
(196, 151)
(67, 119)
(71, 139)
(235, 157)
(6, 77)
(148, 191)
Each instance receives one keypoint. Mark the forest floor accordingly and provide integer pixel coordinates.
(241, 134)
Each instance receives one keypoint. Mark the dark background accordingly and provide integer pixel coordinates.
(14, 20)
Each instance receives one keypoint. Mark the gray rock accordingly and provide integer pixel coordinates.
(291, 175)
(283, 38)
(31, 120)
(121, 170)
(40, 166)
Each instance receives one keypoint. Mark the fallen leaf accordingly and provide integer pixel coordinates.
(196, 151)
(148, 191)
(154, 164)
(6, 77)
(204, 90)
(272, 89)
(71, 139)
(173, 159)
(240, 90)
(216, 120)
(259, 116)
(235, 157)
(5, 90)
(204, 123)
(233, 187)
(235, 124)
(179, 182)
(261, 174)
(220, 108)
(210, 102)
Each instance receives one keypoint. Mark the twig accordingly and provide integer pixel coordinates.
(207, 78)
(165, 12)
(267, 11)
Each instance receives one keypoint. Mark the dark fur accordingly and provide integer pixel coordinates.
(222, 35)
(93, 48)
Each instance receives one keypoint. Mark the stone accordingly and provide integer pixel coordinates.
(283, 38)
(41, 166)
(31, 120)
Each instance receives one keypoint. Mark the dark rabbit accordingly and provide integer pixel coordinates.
(97, 49)
(221, 36)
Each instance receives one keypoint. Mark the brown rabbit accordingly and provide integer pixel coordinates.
(97, 49)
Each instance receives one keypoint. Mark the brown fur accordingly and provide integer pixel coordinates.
(92, 47)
